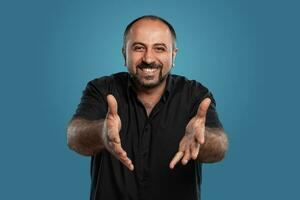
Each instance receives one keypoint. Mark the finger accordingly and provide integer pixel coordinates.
(112, 104)
(117, 149)
(187, 156)
(200, 136)
(202, 109)
(176, 158)
(127, 162)
(131, 167)
(195, 150)
(113, 136)
(119, 153)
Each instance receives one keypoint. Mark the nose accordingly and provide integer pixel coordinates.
(148, 57)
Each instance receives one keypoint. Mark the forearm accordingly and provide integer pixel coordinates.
(214, 147)
(84, 136)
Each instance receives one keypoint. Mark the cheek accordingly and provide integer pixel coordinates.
(133, 59)
(129, 59)
(167, 61)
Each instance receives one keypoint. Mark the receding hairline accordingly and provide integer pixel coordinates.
(152, 18)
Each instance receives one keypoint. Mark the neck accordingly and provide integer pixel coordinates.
(152, 92)
(150, 97)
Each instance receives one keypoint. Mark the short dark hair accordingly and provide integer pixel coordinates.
(150, 17)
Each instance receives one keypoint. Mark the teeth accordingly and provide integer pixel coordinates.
(149, 70)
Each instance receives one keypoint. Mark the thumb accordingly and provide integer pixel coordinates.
(112, 104)
(202, 109)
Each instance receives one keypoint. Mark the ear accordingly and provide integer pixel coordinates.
(174, 53)
(124, 55)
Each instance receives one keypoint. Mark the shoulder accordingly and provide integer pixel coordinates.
(114, 84)
(110, 82)
(192, 87)
(104, 80)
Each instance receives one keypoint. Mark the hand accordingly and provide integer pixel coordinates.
(189, 145)
(110, 134)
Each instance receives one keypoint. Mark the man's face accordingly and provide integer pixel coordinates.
(149, 52)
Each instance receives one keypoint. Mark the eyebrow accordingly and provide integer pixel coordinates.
(156, 44)
(161, 44)
(136, 43)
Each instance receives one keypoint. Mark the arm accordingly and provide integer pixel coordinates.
(90, 137)
(84, 136)
(199, 142)
(214, 147)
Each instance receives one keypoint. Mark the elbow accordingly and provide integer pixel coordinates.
(71, 138)
(217, 148)
(75, 141)
(222, 147)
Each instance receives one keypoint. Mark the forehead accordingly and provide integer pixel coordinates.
(149, 31)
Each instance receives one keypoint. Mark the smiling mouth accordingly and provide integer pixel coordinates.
(149, 70)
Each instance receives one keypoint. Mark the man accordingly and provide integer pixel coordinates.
(139, 126)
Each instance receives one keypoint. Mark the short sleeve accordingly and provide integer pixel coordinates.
(212, 118)
(93, 105)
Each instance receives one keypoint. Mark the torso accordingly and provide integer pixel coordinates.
(150, 141)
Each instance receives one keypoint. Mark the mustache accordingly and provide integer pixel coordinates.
(143, 65)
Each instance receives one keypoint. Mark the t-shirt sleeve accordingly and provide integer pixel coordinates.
(93, 105)
(200, 93)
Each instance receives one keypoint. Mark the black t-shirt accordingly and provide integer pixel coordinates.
(150, 142)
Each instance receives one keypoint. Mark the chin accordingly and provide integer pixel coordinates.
(147, 82)
(150, 81)
(150, 85)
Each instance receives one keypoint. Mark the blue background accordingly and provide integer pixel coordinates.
(246, 52)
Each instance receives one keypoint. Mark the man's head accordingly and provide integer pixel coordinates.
(149, 50)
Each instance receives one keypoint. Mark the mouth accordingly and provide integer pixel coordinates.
(149, 71)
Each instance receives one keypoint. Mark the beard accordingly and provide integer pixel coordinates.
(139, 80)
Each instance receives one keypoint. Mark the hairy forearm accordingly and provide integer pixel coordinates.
(84, 136)
(214, 147)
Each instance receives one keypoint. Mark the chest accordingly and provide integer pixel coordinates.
(154, 128)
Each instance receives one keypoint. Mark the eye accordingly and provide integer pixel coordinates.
(160, 49)
(138, 48)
